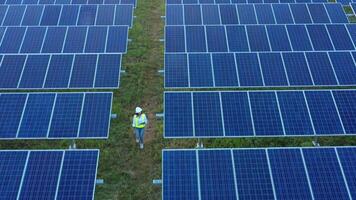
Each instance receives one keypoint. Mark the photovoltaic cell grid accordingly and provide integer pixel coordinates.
(168, 2)
(65, 15)
(130, 2)
(260, 173)
(233, 14)
(259, 38)
(55, 115)
(48, 174)
(222, 70)
(59, 71)
(259, 114)
(63, 39)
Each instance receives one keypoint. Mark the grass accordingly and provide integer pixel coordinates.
(127, 171)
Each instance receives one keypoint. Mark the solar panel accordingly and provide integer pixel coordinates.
(66, 15)
(55, 115)
(19, 2)
(66, 174)
(259, 173)
(259, 113)
(108, 39)
(60, 71)
(260, 38)
(169, 2)
(282, 69)
(235, 14)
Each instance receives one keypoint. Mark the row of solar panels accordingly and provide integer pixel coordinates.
(345, 2)
(68, 15)
(48, 174)
(260, 69)
(59, 71)
(169, 2)
(259, 113)
(260, 173)
(64, 39)
(300, 13)
(259, 38)
(131, 2)
(55, 115)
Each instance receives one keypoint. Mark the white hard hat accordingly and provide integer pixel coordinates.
(138, 109)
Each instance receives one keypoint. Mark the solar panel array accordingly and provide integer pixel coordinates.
(48, 174)
(260, 113)
(18, 2)
(261, 173)
(55, 115)
(65, 15)
(260, 38)
(233, 14)
(168, 2)
(62, 46)
(277, 69)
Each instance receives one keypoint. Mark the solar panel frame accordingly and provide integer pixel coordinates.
(168, 155)
(222, 125)
(336, 72)
(63, 155)
(78, 134)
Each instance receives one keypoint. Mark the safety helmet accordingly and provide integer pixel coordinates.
(138, 110)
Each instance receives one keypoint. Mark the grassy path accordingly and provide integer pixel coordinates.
(128, 172)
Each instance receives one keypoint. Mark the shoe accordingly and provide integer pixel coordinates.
(137, 140)
(141, 146)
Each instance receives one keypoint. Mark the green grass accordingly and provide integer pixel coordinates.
(127, 171)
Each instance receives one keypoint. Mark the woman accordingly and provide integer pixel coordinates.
(139, 122)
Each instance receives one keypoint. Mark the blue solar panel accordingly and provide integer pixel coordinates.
(225, 14)
(295, 113)
(48, 174)
(195, 37)
(55, 115)
(325, 174)
(41, 71)
(215, 169)
(181, 124)
(36, 116)
(178, 163)
(225, 72)
(259, 114)
(266, 117)
(259, 173)
(264, 13)
(273, 69)
(248, 69)
(42, 171)
(207, 124)
(78, 175)
(210, 15)
(12, 166)
(289, 177)
(200, 70)
(252, 174)
(216, 39)
(322, 104)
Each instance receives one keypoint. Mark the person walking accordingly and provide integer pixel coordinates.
(139, 122)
